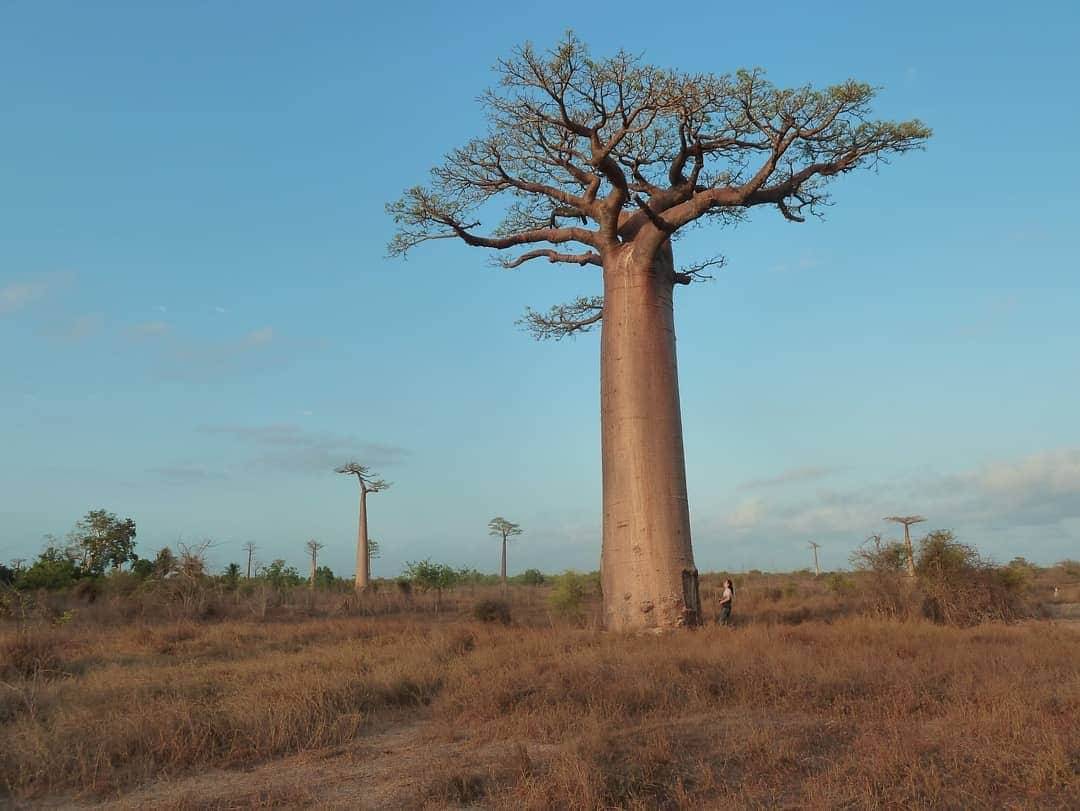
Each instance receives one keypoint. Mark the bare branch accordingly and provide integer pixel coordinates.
(697, 271)
(635, 152)
(587, 258)
(369, 483)
(562, 320)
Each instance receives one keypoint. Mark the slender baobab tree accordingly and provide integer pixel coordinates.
(499, 526)
(369, 483)
(601, 163)
(250, 548)
(313, 548)
(907, 521)
(815, 547)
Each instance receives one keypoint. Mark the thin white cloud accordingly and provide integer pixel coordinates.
(797, 474)
(77, 330)
(259, 337)
(287, 447)
(1004, 507)
(18, 295)
(185, 474)
(747, 514)
(186, 358)
(149, 330)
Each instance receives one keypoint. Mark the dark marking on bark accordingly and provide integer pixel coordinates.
(691, 597)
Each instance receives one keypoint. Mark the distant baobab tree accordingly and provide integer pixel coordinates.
(369, 483)
(601, 162)
(907, 521)
(313, 548)
(815, 547)
(499, 526)
(250, 548)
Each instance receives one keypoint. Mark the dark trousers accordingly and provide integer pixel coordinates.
(725, 614)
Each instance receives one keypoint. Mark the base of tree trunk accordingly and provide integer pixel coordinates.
(647, 566)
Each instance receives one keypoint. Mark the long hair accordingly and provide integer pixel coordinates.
(729, 585)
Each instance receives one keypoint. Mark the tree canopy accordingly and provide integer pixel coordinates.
(499, 526)
(104, 540)
(588, 154)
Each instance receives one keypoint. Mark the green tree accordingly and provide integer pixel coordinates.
(55, 568)
(280, 575)
(231, 576)
(601, 163)
(324, 577)
(104, 540)
(142, 568)
(531, 577)
(433, 577)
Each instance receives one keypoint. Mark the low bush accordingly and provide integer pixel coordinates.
(492, 611)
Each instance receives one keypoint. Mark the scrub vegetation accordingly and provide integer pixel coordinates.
(851, 689)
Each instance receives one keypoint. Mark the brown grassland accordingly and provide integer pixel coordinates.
(813, 699)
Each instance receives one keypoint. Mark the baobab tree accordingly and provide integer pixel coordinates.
(601, 163)
(250, 548)
(313, 548)
(907, 521)
(499, 526)
(369, 483)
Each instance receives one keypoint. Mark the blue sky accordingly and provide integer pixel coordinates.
(198, 319)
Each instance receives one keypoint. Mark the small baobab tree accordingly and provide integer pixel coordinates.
(369, 483)
(601, 163)
(313, 548)
(250, 548)
(907, 521)
(500, 527)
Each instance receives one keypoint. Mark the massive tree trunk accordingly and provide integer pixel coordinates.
(647, 563)
(362, 560)
(502, 569)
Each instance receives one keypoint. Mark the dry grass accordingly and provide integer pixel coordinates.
(800, 705)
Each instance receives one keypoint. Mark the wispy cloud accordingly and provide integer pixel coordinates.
(181, 356)
(185, 474)
(804, 261)
(1008, 503)
(798, 474)
(287, 447)
(149, 330)
(75, 330)
(17, 295)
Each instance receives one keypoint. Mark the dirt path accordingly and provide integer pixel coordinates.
(389, 768)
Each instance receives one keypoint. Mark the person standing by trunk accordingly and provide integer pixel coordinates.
(725, 603)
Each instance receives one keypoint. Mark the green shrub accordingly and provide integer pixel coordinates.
(840, 584)
(568, 594)
(530, 577)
